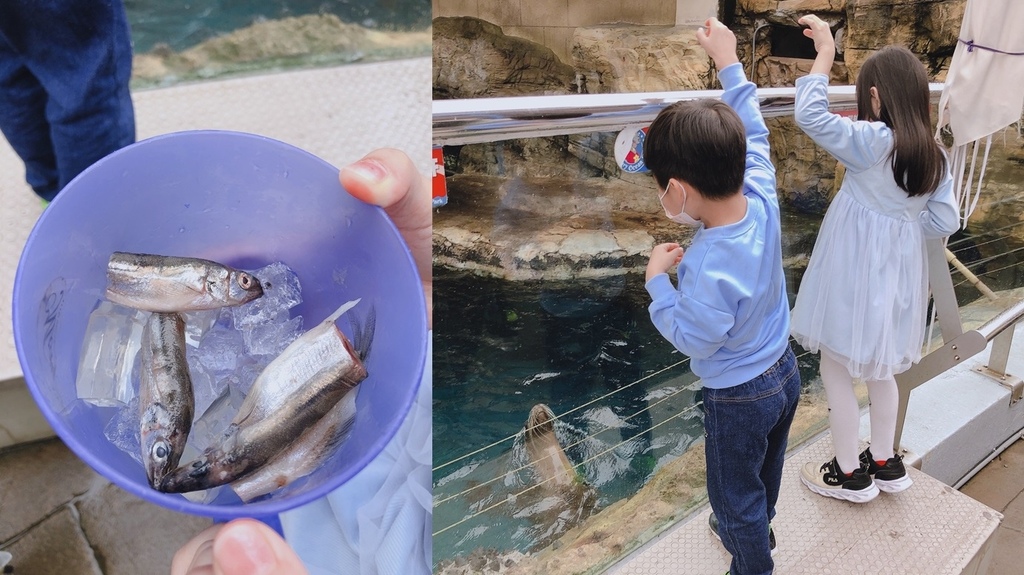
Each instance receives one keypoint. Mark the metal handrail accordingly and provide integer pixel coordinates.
(959, 345)
(480, 120)
(1003, 320)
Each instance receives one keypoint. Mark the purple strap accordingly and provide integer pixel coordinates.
(971, 46)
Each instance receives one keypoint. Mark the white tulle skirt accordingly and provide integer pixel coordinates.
(864, 296)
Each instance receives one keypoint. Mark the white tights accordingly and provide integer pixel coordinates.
(844, 413)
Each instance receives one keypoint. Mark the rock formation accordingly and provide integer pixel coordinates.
(323, 39)
(626, 58)
(475, 59)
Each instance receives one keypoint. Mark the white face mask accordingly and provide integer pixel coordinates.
(682, 217)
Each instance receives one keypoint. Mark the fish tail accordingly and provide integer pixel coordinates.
(344, 308)
(362, 332)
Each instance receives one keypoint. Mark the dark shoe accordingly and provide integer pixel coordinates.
(891, 477)
(713, 523)
(830, 481)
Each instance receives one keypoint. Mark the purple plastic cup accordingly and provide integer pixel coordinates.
(245, 201)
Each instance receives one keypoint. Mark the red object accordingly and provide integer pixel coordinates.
(439, 185)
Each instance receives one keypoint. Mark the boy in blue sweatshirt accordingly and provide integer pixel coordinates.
(730, 312)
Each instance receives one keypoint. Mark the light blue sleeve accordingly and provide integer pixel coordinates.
(857, 144)
(941, 216)
(696, 328)
(379, 523)
(741, 95)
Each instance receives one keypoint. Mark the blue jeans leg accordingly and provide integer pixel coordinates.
(23, 121)
(746, 429)
(65, 66)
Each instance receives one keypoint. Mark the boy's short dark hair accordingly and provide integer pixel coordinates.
(701, 142)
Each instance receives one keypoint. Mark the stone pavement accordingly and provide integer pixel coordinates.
(1000, 485)
(59, 517)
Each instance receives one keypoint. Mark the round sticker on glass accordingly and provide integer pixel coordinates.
(629, 148)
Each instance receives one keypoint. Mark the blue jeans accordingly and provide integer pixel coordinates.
(64, 72)
(746, 429)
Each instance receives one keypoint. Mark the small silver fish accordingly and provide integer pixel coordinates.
(302, 457)
(165, 394)
(175, 284)
(292, 394)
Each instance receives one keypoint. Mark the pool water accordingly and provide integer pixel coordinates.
(181, 25)
(588, 349)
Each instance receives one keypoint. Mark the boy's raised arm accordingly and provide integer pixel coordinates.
(741, 95)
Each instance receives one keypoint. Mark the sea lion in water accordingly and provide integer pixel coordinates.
(556, 477)
(550, 465)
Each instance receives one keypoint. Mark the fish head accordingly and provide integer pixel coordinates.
(540, 421)
(209, 470)
(192, 476)
(243, 287)
(162, 443)
(219, 464)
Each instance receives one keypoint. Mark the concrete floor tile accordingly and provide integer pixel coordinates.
(1006, 556)
(20, 418)
(36, 479)
(54, 547)
(1013, 514)
(132, 536)
(999, 482)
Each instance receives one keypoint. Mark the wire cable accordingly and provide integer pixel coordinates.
(532, 487)
(570, 446)
(609, 394)
(585, 438)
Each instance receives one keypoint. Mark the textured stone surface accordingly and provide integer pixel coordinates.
(36, 479)
(782, 71)
(323, 37)
(109, 514)
(555, 228)
(928, 27)
(566, 228)
(57, 546)
(805, 172)
(473, 58)
(622, 58)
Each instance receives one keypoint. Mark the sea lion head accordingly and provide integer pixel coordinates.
(540, 421)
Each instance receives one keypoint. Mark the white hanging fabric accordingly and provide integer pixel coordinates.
(984, 89)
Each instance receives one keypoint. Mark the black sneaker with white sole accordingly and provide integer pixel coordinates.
(830, 481)
(891, 477)
(713, 523)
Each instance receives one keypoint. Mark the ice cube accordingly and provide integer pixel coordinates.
(249, 369)
(197, 323)
(271, 338)
(215, 420)
(205, 387)
(123, 430)
(112, 339)
(219, 349)
(281, 292)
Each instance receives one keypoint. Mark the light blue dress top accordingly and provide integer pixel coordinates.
(864, 295)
